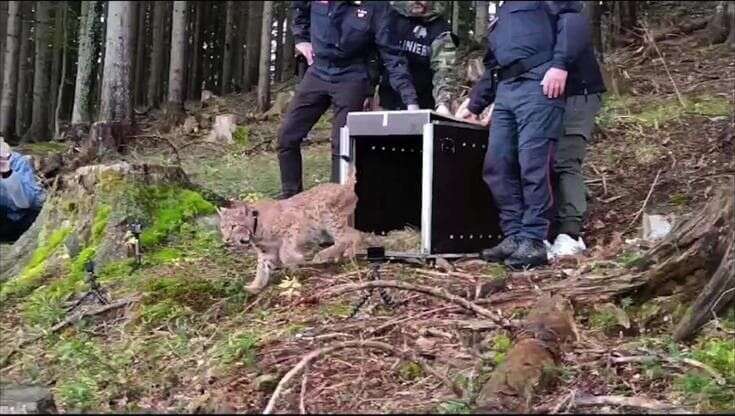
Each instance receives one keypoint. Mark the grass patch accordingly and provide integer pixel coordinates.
(500, 346)
(720, 355)
(603, 320)
(658, 112)
(703, 392)
(167, 310)
(241, 136)
(453, 407)
(339, 310)
(239, 347)
(410, 371)
(197, 294)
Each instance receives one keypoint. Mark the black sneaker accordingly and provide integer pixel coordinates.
(500, 252)
(530, 253)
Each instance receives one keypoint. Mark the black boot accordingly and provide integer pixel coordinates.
(285, 195)
(500, 252)
(530, 253)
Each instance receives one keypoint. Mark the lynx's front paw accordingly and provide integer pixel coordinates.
(328, 255)
(253, 289)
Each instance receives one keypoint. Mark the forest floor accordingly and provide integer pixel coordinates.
(196, 342)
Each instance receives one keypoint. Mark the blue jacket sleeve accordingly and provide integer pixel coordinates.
(301, 21)
(393, 59)
(30, 186)
(572, 32)
(483, 93)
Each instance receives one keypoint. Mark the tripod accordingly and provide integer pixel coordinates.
(95, 290)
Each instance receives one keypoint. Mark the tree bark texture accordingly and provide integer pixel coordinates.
(39, 130)
(178, 55)
(57, 51)
(279, 29)
(264, 79)
(3, 33)
(160, 8)
(195, 54)
(255, 15)
(227, 47)
(25, 71)
(481, 20)
(116, 105)
(238, 50)
(289, 53)
(10, 70)
(623, 16)
(62, 76)
(81, 111)
(141, 41)
(593, 13)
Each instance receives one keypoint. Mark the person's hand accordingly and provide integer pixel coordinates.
(305, 49)
(486, 120)
(412, 107)
(443, 109)
(367, 105)
(554, 81)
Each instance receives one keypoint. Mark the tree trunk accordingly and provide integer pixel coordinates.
(721, 24)
(25, 71)
(116, 112)
(731, 19)
(279, 29)
(10, 71)
(255, 15)
(237, 46)
(481, 20)
(99, 33)
(39, 130)
(4, 9)
(624, 17)
(56, 53)
(82, 109)
(455, 17)
(195, 52)
(264, 77)
(175, 104)
(62, 77)
(289, 53)
(157, 50)
(141, 41)
(227, 47)
(593, 13)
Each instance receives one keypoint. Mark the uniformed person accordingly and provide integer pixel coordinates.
(531, 45)
(426, 39)
(336, 37)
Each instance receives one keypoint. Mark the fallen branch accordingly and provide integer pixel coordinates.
(302, 404)
(645, 202)
(433, 291)
(634, 402)
(68, 321)
(312, 356)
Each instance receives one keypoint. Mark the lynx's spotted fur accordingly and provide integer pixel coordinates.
(279, 230)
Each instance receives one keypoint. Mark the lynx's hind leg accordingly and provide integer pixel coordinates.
(346, 240)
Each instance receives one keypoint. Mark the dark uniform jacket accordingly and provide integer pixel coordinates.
(524, 29)
(584, 74)
(344, 35)
(430, 48)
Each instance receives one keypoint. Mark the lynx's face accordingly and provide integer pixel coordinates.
(237, 225)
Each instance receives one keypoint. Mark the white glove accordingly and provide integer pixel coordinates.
(307, 50)
(412, 107)
(443, 109)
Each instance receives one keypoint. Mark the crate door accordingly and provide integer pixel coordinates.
(463, 215)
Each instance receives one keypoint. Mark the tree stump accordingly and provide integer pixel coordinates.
(17, 399)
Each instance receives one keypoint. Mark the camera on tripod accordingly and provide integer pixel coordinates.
(376, 254)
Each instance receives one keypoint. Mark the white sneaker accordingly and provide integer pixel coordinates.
(564, 245)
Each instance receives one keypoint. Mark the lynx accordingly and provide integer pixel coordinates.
(279, 230)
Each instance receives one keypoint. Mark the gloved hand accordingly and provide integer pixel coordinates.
(412, 107)
(306, 49)
(443, 109)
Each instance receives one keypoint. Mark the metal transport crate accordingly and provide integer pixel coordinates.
(421, 169)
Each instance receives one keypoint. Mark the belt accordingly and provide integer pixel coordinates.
(522, 66)
(326, 63)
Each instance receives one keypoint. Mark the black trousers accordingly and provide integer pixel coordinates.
(312, 99)
(12, 230)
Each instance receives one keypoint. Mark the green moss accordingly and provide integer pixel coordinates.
(241, 136)
(604, 320)
(171, 207)
(410, 371)
(155, 314)
(341, 310)
(116, 271)
(42, 148)
(678, 199)
(658, 112)
(705, 392)
(30, 277)
(80, 393)
(500, 346)
(164, 256)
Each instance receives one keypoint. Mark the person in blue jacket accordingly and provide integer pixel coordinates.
(531, 45)
(21, 196)
(336, 38)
